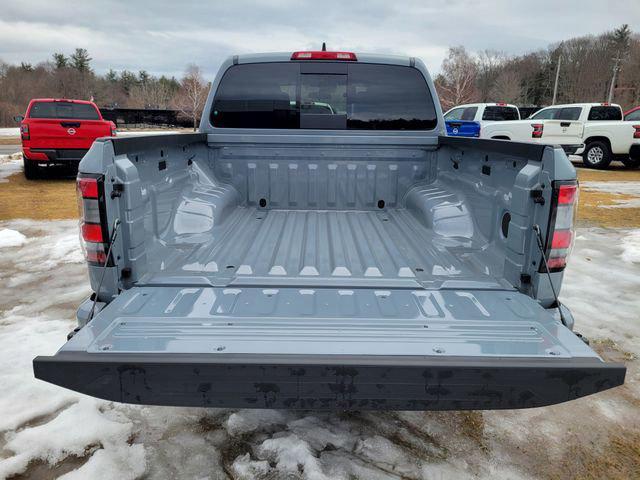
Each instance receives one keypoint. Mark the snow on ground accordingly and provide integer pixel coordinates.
(10, 164)
(11, 238)
(619, 188)
(10, 132)
(46, 431)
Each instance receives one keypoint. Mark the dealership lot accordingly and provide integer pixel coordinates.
(48, 431)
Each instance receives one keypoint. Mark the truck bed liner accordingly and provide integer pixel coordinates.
(307, 247)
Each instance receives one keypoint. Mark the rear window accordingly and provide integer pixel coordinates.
(76, 111)
(605, 113)
(323, 95)
(498, 114)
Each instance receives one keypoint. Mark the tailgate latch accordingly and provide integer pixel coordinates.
(536, 194)
(117, 189)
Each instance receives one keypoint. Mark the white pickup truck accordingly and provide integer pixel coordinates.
(501, 121)
(605, 134)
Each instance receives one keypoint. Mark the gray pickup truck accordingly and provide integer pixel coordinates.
(349, 257)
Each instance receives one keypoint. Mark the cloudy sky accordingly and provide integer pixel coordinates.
(163, 36)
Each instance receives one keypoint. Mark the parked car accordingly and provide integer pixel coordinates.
(59, 131)
(473, 121)
(606, 135)
(632, 115)
(349, 260)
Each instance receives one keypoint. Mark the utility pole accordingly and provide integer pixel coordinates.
(555, 85)
(616, 67)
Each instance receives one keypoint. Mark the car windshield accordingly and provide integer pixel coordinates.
(70, 110)
(323, 95)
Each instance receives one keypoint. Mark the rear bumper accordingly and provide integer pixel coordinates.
(572, 149)
(328, 381)
(55, 155)
(634, 152)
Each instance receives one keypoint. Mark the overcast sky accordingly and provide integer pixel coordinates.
(163, 36)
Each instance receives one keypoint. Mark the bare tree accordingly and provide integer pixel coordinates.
(192, 94)
(506, 87)
(456, 83)
(489, 66)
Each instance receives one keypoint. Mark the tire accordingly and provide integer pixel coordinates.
(630, 163)
(597, 154)
(31, 169)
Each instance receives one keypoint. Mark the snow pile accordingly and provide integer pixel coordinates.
(631, 247)
(60, 432)
(10, 132)
(11, 238)
(10, 164)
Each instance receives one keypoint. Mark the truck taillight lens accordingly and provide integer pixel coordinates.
(636, 131)
(561, 233)
(93, 231)
(538, 128)
(24, 132)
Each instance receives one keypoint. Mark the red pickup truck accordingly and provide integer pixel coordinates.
(59, 131)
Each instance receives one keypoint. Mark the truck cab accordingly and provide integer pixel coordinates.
(59, 131)
(350, 256)
(467, 120)
(606, 136)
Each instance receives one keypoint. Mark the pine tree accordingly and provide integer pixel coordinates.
(60, 60)
(80, 60)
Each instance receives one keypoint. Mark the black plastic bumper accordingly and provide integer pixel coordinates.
(328, 382)
(634, 152)
(62, 155)
(571, 149)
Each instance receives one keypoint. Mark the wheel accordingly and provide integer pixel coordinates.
(31, 169)
(597, 154)
(630, 162)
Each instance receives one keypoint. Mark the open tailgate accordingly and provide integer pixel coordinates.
(328, 349)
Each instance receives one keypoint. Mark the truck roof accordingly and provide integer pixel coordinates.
(61, 100)
(286, 57)
(587, 104)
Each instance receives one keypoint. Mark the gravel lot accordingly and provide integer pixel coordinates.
(48, 432)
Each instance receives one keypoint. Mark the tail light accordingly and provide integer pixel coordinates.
(561, 234)
(24, 132)
(501, 104)
(94, 235)
(636, 132)
(538, 128)
(321, 55)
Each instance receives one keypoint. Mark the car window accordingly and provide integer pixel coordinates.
(455, 114)
(545, 114)
(496, 113)
(323, 95)
(568, 113)
(635, 115)
(469, 113)
(603, 112)
(70, 110)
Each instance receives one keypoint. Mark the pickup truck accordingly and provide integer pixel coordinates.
(59, 131)
(467, 120)
(313, 260)
(503, 123)
(606, 136)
